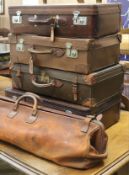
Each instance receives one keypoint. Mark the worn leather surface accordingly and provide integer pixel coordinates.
(92, 54)
(100, 21)
(69, 141)
(76, 88)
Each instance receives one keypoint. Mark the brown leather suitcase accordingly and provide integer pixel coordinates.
(75, 55)
(82, 21)
(86, 90)
(110, 110)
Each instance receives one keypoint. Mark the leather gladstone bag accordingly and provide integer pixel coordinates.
(77, 142)
(75, 21)
(87, 90)
(67, 54)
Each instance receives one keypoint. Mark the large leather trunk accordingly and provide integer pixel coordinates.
(82, 21)
(77, 142)
(86, 90)
(75, 55)
(110, 110)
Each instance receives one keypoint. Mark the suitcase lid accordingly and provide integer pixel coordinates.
(79, 44)
(74, 78)
(85, 9)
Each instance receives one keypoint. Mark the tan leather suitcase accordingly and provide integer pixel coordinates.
(87, 90)
(79, 20)
(74, 55)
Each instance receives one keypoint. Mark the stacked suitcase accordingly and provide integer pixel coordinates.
(68, 54)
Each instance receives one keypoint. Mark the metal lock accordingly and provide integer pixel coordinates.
(70, 52)
(79, 20)
(20, 45)
(17, 19)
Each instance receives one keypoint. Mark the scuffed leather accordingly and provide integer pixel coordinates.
(53, 136)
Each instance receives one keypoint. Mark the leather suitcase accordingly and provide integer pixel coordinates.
(110, 110)
(86, 90)
(75, 55)
(82, 21)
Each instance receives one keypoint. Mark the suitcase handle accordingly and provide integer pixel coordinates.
(48, 51)
(34, 20)
(39, 85)
(33, 117)
(51, 21)
(55, 83)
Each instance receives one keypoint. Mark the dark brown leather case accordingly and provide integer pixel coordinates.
(86, 90)
(82, 21)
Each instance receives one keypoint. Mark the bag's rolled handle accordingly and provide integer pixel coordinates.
(35, 20)
(55, 83)
(47, 51)
(48, 21)
(39, 85)
(33, 117)
(33, 78)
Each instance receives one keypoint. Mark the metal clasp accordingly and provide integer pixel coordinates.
(18, 18)
(70, 52)
(79, 20)
(20, 45)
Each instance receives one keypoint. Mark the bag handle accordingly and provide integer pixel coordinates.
(33, 117)
(48, 21)
(47, 51)
(51, 21)
(33, 78)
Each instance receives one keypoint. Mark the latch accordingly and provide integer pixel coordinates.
(17, 19)
(20, 45)
(70, 52)
(79, 20)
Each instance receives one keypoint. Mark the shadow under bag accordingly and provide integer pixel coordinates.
(77, 142)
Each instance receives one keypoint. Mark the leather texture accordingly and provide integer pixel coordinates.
(85, 90)
(83, 55)
(75, 141)
(96, 20)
